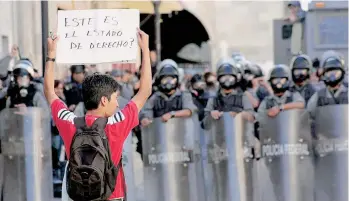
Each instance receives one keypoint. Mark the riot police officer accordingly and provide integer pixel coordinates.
(335, 91)
(198, 93)
(230, 97)
(253, 82)
(73, 89)
(23, 92)
(282, 98)
(168, 102)
(301, 68)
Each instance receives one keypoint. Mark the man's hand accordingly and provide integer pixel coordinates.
(146, 122)
(166, 117)
(22, 109)
(233, 114)
(216, 114)
(248, 116)
(145, 88)
(292, 18)
(52, 45)
(143, 40)
(272, 112)
(49, 76)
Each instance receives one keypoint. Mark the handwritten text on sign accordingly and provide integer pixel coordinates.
(97, 36)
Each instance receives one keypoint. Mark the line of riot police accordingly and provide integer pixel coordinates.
(250, 139)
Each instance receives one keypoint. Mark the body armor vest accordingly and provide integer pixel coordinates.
(306, 92)
(230, 103)
(323, 100)
(73, 93)
(200, 103)
(270, 103)
(16, 98)
(162, 106)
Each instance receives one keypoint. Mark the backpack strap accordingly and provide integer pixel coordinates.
(80, 123)
(99, 123)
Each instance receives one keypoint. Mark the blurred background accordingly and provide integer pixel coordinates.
(195, 34)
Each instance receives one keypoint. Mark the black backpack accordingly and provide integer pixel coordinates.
(91, 173)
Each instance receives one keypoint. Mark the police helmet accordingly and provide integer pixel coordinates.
(301, 62)
(77, 69)
(237, 57)
(197, 78)
(23, 67)
(279, 71)
(198, 83)
(332, 59)
(254, 69)
(168, 67)
(301, 66)
(227, 67)
(279, 78)
(334, 62)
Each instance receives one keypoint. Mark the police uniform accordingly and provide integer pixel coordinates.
(301, 67)
(30, 94)
(73, 90)
(199, 96)
(235, 101)
(279, 72)
(330, 61)
(252, 71)
(162, 102)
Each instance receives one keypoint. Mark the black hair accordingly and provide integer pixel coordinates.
(207, 75)
(57, 82)
(95, 86)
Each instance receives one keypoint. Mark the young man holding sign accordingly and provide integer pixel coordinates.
(100, 100)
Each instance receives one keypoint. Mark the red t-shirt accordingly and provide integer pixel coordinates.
(117, 129)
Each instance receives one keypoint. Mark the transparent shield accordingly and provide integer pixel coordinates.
(331, 148)
(172, 165)
(286, 168)
(26, 150)
(127, 163)
(230, 163)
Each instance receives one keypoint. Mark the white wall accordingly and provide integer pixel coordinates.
(244, 26)
(20, 21)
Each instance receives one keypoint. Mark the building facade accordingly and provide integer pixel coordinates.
(244, 26)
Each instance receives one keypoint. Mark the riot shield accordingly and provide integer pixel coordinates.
(26, 149)
(331, 148)
(230, 166)
(127, 163)
(286, 169)
(172, 167)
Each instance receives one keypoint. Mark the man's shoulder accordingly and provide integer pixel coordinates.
(118, 117)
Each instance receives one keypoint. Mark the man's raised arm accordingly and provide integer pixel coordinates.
(145, 88)
(49, 76)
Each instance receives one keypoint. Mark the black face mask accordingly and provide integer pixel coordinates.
(299, 78)
(210, 84)
(332, 82)
(332, 79)
(166, 88)
(200, 91)
(279, 90)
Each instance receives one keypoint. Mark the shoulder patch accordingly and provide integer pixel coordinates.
(66, 115)
(116, 118)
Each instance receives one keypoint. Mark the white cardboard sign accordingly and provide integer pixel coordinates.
(97, 36)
